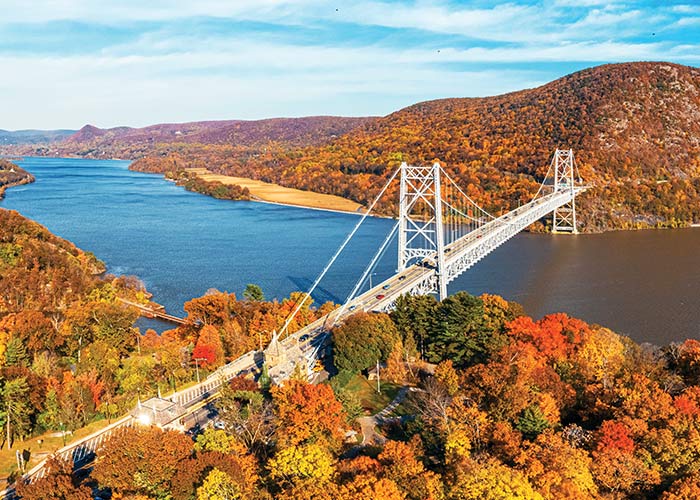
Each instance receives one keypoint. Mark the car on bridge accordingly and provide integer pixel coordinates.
(386, 287)
(381, 296)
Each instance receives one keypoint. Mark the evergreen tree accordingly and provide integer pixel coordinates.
(16, 353)
(414, 317)
(461, 334)
(254, 293)
(15, 403)
(532, 422)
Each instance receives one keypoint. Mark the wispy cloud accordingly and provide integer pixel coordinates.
(69, 62)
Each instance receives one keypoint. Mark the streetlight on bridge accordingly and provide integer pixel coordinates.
(196, 366)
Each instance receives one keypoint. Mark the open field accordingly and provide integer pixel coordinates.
(42, 446)
(274, 193)
(366, 391)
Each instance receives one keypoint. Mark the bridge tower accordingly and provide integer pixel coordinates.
(564, 217)
(421, 230)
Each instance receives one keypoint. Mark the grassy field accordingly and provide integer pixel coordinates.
(40, 447)
(278, 194)
(366, 391)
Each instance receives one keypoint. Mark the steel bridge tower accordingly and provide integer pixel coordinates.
(564, 217)
(421, 230)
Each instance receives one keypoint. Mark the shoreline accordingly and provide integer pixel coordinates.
(332, 210)
(268, 192)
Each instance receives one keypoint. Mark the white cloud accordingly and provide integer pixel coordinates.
(168, 74)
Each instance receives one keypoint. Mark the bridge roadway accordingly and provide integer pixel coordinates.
(460, 255)
(305, 344)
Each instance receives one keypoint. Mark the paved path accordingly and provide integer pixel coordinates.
(368, 424)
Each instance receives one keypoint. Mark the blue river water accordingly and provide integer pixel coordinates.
(181, 244)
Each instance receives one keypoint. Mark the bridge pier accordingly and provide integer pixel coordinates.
(564, 217)
(421, 226)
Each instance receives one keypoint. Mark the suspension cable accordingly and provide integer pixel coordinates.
(369, 268)
(551, 163)
(465, 194)
(337, 253)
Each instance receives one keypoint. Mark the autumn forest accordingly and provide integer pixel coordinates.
(461, 399)
(495, 404)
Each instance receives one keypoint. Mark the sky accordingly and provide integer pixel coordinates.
(66, 63)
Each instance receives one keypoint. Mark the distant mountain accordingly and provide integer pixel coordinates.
(33, 136)
(634, 127)
(127, 142)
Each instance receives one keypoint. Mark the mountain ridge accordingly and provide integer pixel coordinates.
(634, 127)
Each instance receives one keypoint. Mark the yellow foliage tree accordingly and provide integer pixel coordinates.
(490, 480)
(601, 355)
(218, 486)
(299, 463)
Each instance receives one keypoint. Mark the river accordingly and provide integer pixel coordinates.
(643, 284)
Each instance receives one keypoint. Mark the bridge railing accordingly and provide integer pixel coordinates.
(77, 453)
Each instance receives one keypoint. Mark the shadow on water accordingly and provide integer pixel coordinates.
(320, 295)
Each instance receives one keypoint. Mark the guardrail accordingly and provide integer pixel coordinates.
(79, 452)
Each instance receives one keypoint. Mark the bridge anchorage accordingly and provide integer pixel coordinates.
(441, 233)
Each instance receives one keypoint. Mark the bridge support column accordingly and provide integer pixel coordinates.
(403, 218)
(421, 230)
(439, 236)
(564, 217)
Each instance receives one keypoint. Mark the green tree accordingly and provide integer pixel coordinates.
(532, 422)
(414, 317)
(15, 403)
(253, 292)
(461, 334)
(16, 353)
(362, 340)
(214, 440)
(50, 418)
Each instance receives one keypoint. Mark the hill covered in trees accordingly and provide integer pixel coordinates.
(634, 127)
(12, 175)
(17, 137)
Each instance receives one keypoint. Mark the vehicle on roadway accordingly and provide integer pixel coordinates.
(401, 278)
(380, 296)
(304, 338)
(386, 287)
(352, 308)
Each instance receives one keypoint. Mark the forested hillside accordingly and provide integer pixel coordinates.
(12, 175)
(635, 128)
(69, 351)
(513, 409)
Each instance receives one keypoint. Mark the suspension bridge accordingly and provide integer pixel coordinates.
(441, 233)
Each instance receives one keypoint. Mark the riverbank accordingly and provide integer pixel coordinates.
(274, 193)
(11, 175)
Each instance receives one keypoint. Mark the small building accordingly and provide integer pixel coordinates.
(157, 411)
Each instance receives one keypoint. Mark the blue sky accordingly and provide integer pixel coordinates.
(65, 63)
